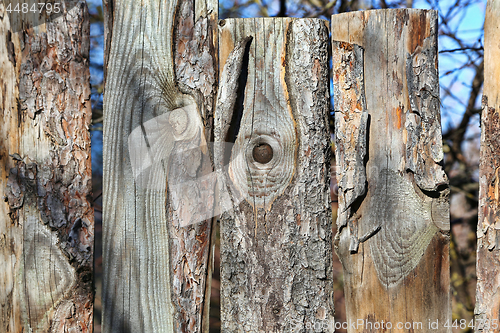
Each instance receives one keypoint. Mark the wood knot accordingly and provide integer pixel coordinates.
(178, 119)
(263, 153)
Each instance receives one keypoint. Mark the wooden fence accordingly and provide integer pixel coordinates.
(226, 122)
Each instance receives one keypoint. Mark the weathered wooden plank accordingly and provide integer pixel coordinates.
(46, 216)
(276, 238)
(487, 310)
(159, 99)
(393, 219)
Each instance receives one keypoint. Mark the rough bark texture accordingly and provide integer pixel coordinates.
(276, 238)
(488, 234)
(108, 11)
(159, 100)
(46, 217)
(393, 220)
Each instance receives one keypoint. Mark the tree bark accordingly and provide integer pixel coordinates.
(158, 207)
(108, 13)
(393, 218)
(46, 216)
(487, 311)
(276, 273)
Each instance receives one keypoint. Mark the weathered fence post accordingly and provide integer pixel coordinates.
(276, 248)
(393, 218)
(157, 206)
(46, 217)
(487, 312)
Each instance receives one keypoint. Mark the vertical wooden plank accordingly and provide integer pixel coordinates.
(196, 72)
(276, 236)
(158, 208)
(487, 310)
(393, 219)
(46, 217)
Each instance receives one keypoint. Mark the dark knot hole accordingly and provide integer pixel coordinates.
(263, 153)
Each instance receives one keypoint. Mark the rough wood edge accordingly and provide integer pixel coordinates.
(488, 229)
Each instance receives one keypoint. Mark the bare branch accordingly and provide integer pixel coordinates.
(461, 49)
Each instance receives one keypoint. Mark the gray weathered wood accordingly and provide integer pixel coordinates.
(276, 248)
(158, 104)
(46, 216)
(488, 235)
(393, 218)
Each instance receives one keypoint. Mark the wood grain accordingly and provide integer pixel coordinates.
(488, 235)
(157, 218)
(393, 221)
(276, 240)
(46, 216)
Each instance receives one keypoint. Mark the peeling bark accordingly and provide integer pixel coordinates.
(46, 220)
(158, 207)
(351, 130)
(488, 230)
(276, 240)
(424, 149)
(393, 225)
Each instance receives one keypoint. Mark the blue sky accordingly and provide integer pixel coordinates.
(469, 28)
